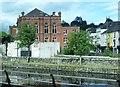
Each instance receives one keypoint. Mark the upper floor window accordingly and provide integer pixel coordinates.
(46, 39)
(114, 43)
(54, 28)
(74, 30)
(65, 32)
(37, 27)
(65, 46)
(65, 39)
(114, 35)
(54, 39)
(46, 28)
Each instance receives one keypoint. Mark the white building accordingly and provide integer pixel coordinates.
(101, 37)
(113, 35)
(41, 49)
(107, 35)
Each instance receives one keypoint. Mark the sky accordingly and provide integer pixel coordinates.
(92, 11)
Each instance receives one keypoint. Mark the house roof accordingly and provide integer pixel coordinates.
(36, 13)
(92, 30)
(111, 26)
(115, 26)
(106, 25)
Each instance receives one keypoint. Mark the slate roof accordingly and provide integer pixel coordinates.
(105, 25)
(92, 30)
(35, 13)
(113, 27)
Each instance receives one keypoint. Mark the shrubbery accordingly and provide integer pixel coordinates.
(108, 52)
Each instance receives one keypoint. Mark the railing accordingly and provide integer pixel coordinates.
(55, 80)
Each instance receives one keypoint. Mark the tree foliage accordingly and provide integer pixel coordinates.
(79, 43)
(26, 36)
(65, 24)
(5, 39)
(80, 23)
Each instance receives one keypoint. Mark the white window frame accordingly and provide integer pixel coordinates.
(65, 39)
(65, 32)
(46, 28)
(54, 39)
(37, 27)
(54, 30)
(46, 39)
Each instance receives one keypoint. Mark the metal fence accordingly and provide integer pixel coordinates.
(25, 79)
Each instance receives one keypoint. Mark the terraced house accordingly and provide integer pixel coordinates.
(107, 35)
(113, 34)
(48, 27)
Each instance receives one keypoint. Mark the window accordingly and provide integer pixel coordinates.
(54, 39)
(65, 39)
(75, 30)
(37, 27)
(114, 34)
(46, 39)
(36, 39)
(65, 32)
(46, 28)
(114, 43)
(54, 28)
(65, 46)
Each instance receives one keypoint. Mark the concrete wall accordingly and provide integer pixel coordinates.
(12, 50)
(2, 49)
(41, 50)
(45, 49)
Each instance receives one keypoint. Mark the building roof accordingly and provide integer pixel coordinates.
(111, 26)
(115, 26)
(107, 23)
(36, 13)
(12, 26)
(92, 30)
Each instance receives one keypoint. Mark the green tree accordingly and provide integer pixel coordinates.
(5, 39)
(79, 43)
(26, 36)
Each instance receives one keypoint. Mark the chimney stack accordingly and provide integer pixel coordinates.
(59, 13)
(22, 13)
(53, 13)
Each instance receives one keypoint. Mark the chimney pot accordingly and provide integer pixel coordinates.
(22, 13)
(53, 13)
(59, 13)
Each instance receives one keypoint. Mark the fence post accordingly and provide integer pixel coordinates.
(53, 81)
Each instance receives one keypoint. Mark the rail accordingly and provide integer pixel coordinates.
(51, 80)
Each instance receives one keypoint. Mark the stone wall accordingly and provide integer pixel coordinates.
(70, 63)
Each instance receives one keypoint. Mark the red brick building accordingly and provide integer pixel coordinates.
(13, 30)
(48, 27)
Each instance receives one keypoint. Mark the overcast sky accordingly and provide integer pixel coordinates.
(93, 11)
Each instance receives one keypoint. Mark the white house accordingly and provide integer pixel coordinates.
(113, 33)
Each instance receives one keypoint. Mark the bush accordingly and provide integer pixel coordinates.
(107, 52)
